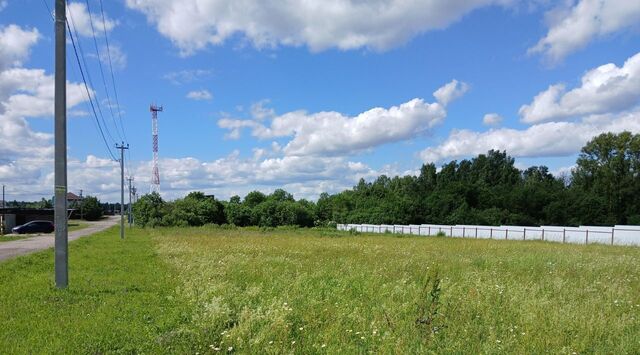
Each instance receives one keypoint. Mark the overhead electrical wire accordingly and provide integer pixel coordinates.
(49, 10)
(97, 112)
(113, 83)
(113, 80)
(86, 87)
(95, 116)
(88, 76)
(104, 81)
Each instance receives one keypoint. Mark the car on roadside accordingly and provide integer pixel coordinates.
(34, 227)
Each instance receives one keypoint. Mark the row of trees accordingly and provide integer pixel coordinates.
(602, 189)
(196, 209)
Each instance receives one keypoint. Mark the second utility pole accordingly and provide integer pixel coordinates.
(130, 179)
(122, 147)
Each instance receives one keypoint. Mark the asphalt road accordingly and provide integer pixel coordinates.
(44, 241)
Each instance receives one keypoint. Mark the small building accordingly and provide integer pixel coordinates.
(73, 199)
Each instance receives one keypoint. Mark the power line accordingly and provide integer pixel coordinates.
(89, 96)
(104, 82)
(84, 61)
(97, 122)
(113, 80)
(95, 115)
(48, 10)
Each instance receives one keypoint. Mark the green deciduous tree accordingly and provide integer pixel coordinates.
(91, 208)
(149, 210)
(607, 170)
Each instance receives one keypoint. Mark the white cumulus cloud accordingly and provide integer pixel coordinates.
(115, 54)
(540, 140)
(15, 44)
(491, 119)
(187, 76)
(80, 20)
(200, 95)
(318, 24)
(605, 89)
(25, 93)
(333, 133)
(451, 91)
(305, 177)
(574, 27)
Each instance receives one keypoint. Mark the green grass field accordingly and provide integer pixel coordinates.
(209, 290)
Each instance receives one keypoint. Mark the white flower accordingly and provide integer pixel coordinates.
(230, 348)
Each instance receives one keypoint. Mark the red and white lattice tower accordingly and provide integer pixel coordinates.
(155, 177)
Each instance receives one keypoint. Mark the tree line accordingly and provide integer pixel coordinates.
(602, 189)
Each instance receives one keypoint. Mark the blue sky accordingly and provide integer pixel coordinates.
(313, 96)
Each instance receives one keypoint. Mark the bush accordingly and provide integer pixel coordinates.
(91, 208)
(149, 210)
(238, 214)
(195, 209)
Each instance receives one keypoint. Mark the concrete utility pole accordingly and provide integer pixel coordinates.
(130, 179)
(122, 147)
(2, 216)
(134, 192)
(81, 203)
(60, 180)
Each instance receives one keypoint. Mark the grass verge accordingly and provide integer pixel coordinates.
(208, 290)
(120, 299)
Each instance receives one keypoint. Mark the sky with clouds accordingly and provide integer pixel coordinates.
(310, 95)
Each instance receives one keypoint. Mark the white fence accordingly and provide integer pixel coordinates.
(616, 235)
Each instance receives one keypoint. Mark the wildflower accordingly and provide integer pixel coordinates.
(301, 328)
(498, 341)
(293, 342)
(230, 348)
(323, 346)
(522, 333)
(362, 338)
(271, 342)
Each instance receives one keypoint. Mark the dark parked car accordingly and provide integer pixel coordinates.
(34, 227)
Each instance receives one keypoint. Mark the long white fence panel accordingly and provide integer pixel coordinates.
(616, 235)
